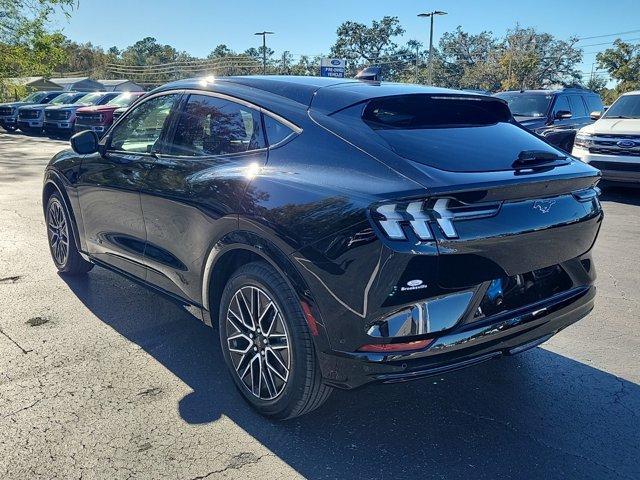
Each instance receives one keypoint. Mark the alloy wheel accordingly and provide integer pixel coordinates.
(258, 342)
(58, 232)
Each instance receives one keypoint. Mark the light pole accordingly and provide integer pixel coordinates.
(264, 49)
(417, 58)
(431, 15)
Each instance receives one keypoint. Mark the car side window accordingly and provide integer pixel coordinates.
(577, 106)
(50, 97)
(210, 125)
(275, 131)
(107, 98)
(561, 105)
(594, 103)
(140, 130)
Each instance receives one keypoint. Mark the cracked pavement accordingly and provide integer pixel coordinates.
(101, 378)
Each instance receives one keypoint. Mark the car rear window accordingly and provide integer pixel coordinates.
(429, 111)
(452, 133)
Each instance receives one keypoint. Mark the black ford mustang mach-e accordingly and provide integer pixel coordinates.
(338, 232)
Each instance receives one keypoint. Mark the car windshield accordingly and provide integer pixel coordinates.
(63, 99)
(627, 106)
(123, 100)
(34, 97)
(526, 104)
(89, 99)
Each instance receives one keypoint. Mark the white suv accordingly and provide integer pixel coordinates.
(612, 144)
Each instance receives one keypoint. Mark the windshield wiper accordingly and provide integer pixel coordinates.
(538, 159)
(623, 117)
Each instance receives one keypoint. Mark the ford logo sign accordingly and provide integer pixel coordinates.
(626, 144)
(335, 62)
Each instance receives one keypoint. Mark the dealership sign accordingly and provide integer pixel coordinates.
(332, 67)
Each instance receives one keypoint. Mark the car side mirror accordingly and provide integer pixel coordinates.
(562, 115)
(595, 115)
(85, 142)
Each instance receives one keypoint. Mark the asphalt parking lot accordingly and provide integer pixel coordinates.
(100, 378)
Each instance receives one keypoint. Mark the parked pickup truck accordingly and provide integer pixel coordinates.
(100, 117)
(31, 117)
(9, 111)
(117, 113)
(59, 120)
(612, 143)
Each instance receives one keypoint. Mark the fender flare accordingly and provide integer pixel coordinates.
(274, 256)
(53, 178)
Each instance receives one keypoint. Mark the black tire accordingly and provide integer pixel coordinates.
(62, 244)
(303, 391)
(10, 129)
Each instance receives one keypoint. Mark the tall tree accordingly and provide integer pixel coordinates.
(623, 64)
(26, 45)
(362, 45)
(468, 60)
(87, 59)
(530, 59)
(597, 83)
(220, 51)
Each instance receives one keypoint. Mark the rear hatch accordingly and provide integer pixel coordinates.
(453, 133)
(498, 200)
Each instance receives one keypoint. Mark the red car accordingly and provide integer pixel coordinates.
(100, 117)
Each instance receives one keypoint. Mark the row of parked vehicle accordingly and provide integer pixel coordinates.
(575, 120)
(60, 113)
(563, 117)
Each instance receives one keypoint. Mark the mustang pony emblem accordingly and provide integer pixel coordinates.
(543, 205)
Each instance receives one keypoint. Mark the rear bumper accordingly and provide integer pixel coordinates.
(614, 168)
(472, 343)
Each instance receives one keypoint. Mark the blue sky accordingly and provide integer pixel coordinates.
(306, 27)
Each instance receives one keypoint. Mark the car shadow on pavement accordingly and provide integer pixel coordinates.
(537, 415)
(629, 196)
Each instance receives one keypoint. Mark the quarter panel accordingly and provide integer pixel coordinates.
(311, 201)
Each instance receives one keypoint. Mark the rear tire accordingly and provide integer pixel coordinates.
(62, 244)
(272, 359)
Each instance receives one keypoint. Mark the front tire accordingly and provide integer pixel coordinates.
(62, 244)
(267, 345)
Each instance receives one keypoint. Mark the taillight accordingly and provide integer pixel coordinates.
(422, 215)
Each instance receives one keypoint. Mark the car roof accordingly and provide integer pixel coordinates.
(325, 94)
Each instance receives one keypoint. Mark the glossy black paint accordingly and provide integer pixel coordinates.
(304, 205)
